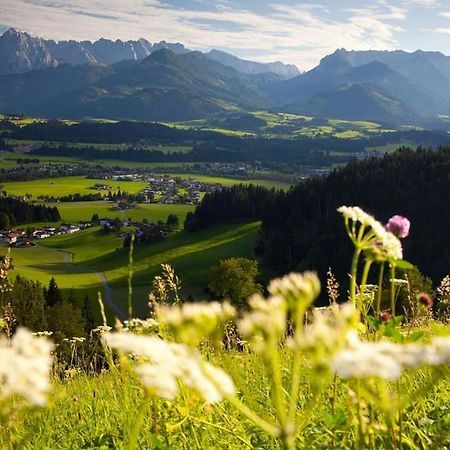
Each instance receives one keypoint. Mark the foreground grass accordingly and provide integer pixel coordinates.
(100, 411)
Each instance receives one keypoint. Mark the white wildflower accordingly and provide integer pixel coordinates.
(101, 329)
(25, 364)
(329, 329)
(42, 333)
(163, 364)
(191, 322)
(379, 243)
(356, 214)
(266, 321)
(388, 360)
(140, 325)
(298, 289)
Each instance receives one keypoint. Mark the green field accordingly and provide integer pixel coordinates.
(191, 254)
(167, 149)
(41, 263)
(232, 181)
(67, 185)
(71, 185)
(76, 211)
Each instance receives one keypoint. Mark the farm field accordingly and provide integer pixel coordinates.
(167, 149)
(9, 159)
(77, 211)
(67, 185)
(232, 181)
(79, 184)
(289, 126)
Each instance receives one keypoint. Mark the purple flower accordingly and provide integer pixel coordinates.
(398, 226)
(425, 300)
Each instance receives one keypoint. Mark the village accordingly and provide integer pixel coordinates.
(23, 238)
(160, 189)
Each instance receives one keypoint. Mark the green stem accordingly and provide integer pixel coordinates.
(353, 273)
(277, 381)
(134, 435)
(296, 369)
(392, 269)
(363, 285)
(361, 444)
(269, 428)
(130, 278)
(380, 289)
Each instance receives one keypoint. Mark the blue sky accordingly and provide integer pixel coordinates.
(291, 31)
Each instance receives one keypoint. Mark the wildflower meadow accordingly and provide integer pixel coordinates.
(369, 371)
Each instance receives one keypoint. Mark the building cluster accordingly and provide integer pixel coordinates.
(26, 238)
(166, 189)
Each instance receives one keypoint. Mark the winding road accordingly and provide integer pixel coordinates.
(107, 297)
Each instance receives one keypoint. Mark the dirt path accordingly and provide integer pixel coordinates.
(107, 291)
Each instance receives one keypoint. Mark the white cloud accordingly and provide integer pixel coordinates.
(300, 34)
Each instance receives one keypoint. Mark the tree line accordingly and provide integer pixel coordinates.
(15, 211)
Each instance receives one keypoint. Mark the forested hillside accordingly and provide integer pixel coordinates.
(300, 228)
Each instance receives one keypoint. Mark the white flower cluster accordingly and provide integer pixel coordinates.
(379, 242)
(164, 364)
(74, 340)
(25, 364)
(191, 322)
(443, 290)
(387, 360)
(100, 330)
(356, 214)
(298, 289)
(329, 329)
(42, 333)
(265, 322)
(140, 325)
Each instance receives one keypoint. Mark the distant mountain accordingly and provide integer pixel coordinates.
(429, 70)
(26, 91)
(357, 101)
(164, 86)
(20, 52)
(254, 68)
(167, 82)
(339, 77)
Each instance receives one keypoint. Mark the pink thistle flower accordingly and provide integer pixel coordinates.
(398, 226)
(425, 300)
(385, 316)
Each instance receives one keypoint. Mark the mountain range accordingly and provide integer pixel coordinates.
(21, 52)
(168, 82)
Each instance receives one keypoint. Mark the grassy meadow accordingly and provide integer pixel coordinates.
(42, 263)
(101, 412)
(191, 254)
(76, 211)
(67, 185)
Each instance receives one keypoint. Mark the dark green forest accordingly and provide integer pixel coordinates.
(20, 212)
(302, 230)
